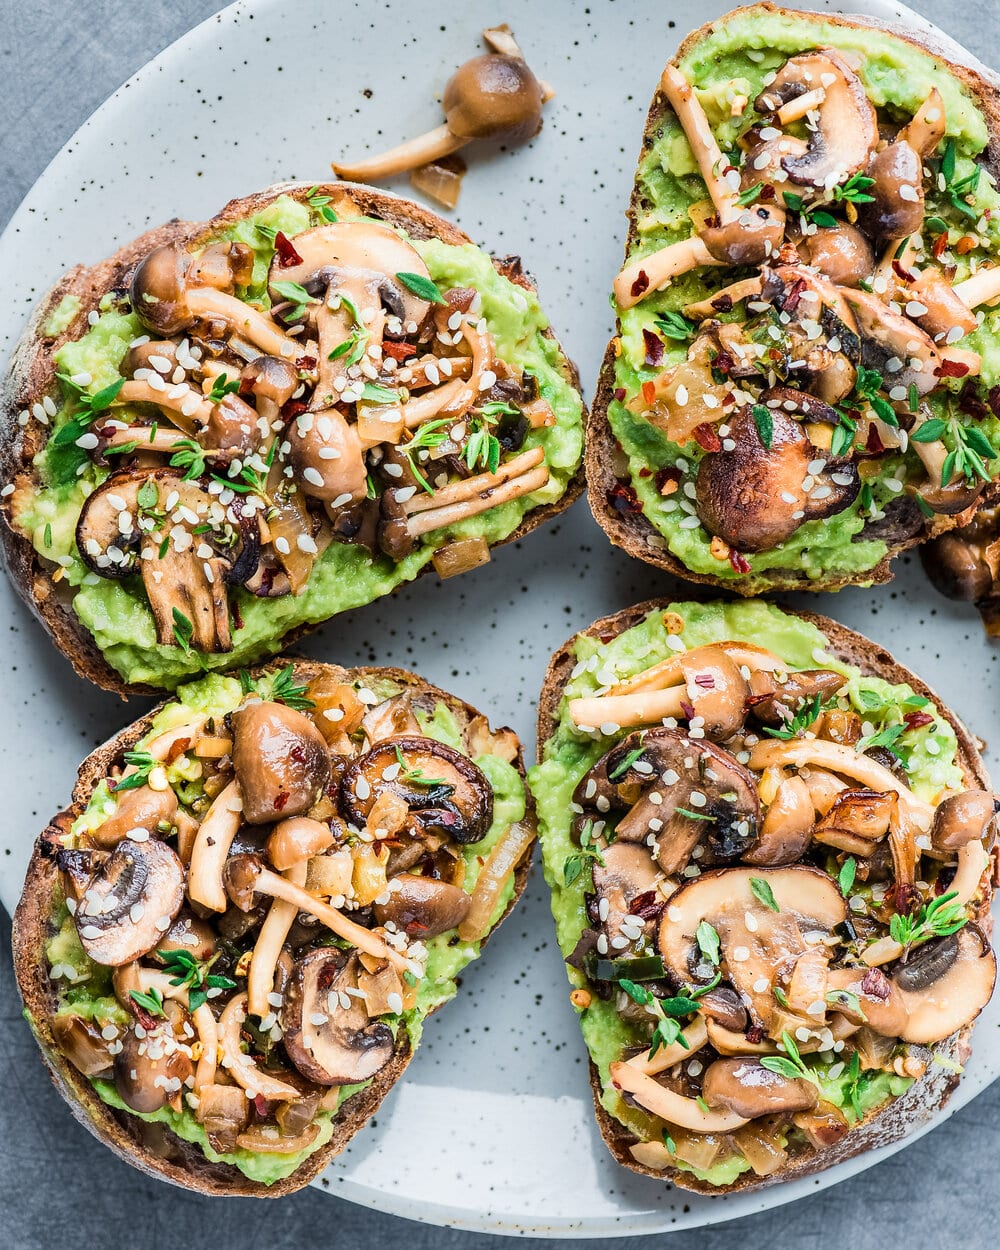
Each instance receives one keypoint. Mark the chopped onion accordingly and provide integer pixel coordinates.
(493, 875)
(441, 179)
(263, 1141)
(761, 1149)
(460, 556)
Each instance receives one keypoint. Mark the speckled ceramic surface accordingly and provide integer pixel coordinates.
(492, 1127)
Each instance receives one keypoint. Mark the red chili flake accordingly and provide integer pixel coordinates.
(645, 472)
(755, 1033)
(641, 285)
(260, 1105)
(306, 363)
(723, 303)
(724, 363)
(951, 369)
(775, 354)
(739, 561)
(705, 680)
(623, 498)
(873, 443)
(970, 401)
(793, 295)
(917, 720)
(287, 255)
(298, 753)
(906, 898)
(147, 1021)
(705, 435)
(648, 392)
(903, 274)
(177, 749)
(647, 906)
(876, 984)
(294, 408)
(654, 347)
(398, 351)
(620, 393)
(993, 399)
(939, 245)
(687, 709)
(767, 193)
(281, 800)
(669, 473)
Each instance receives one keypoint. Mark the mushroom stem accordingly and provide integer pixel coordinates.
(420, 151)
(241, 1067)
(695, 1036)
(973, 860)
(682, 99)
(649, 273)
(208, 1035)
(702, 309)
(797, 107)
(674, 1108)
(486, 495)
(925, 130)
(274, 930)
(454, 398)
(182, 403)
(628, 710)
(207, 302)
(459, 492)
(982, 288)
(211, 846)
(272, 884)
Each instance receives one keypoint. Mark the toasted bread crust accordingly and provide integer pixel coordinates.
(930, 1092)
(187, 1166)
(31, 377)
(632, 531)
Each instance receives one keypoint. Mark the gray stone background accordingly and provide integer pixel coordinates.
(59, 1187)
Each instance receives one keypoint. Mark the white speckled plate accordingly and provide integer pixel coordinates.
(492, 1127)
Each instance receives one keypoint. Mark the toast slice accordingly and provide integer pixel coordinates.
(753, 528)
(481, 879)
(516, 416)
(711, 1152)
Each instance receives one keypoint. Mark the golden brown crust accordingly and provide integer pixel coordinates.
(928, 1094)
(631, 530)
(32, 376)
(187, 1166)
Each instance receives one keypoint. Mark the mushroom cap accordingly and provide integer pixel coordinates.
(886, 334)
(953, 998)
(963, 818)
(280, 761)
(751, 238)
(493, 96)
(716, 689)
(786, 830)
(159, 289)
(445, 791)
(152, 1069)
(891, 215)
(793, 694)
(130, 902)
(269, 378)
(847, 128)
(138, 808)
(751, 1090)
(372, 251)
(329, 1043)
(957, 567)
(841, 253)
(749, 496)
(422, 907)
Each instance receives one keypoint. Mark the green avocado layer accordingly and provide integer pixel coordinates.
(116, 613)
(735, 59)
(85, 987)
(930, 753)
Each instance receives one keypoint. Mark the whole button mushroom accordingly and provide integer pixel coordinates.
(422, 907)
(151, 1070)
(280, 760)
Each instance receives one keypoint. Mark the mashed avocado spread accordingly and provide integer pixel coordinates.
(85, 989)
(733, 62)
(929, 752)
(345, 575)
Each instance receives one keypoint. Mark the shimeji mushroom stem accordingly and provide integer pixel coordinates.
(270, 883)
(211, 847)
(468, 488)
(241, 1067)
(420, 151)
(694, 1037)
(207, 302)
(650, 273)
(486, 496)
(973, 860)
(711, 162)
(701, 310)
(185, 406)
(274, 930)
(629, 710)
(161, 746)
(672, 1107)
(982, 288)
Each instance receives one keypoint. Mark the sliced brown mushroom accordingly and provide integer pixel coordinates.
(494, 96)
(758, 944)
(446, 793)
(857, 820)
(130, 901)
(889, 336)
(332, 1041)
(670, 1106)
(756, 496)
(80, 1041)
(167, 298)
(152, 1070)
(945, 985)
(944, 312)
(280, 760)
(846, 129)
(422, 907)
(867, 996)
(897, 208)
(627, 873)
(747, 1088)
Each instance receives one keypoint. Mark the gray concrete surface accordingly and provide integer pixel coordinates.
(58, 1186)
